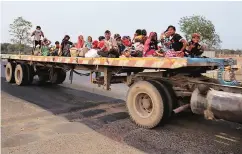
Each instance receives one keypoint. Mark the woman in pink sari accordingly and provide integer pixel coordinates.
(80, 42)
(151, 45)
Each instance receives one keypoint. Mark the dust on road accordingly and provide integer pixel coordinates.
(79, 119)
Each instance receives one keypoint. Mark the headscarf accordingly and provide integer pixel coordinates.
(126, 42)
(95, 44)
(80, 42)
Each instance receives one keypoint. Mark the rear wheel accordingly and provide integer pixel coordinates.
(30, 73)
(61, 76)
(21, 75)
(9, 72)
(58, 76)
(43, 75)
(145, 104)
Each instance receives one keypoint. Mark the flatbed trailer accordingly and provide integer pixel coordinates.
(171, 85)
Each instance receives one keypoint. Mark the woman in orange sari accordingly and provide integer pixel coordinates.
(80, 42)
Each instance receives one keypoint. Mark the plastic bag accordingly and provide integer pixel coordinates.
(92, 54)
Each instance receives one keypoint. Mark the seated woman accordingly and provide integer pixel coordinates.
(88, 43)
(194, 49)
(151, 45)
(164, 39)
(80, 42)
(65, 47)
(45, 47)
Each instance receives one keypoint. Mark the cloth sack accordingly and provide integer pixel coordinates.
(92, 54)
(82, 52)
(74, 52)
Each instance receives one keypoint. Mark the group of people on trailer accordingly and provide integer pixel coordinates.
(170, 44)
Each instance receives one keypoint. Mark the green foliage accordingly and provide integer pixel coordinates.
(199, 24)
(20, 31)
(7, 48)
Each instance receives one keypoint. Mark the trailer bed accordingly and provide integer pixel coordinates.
(149, 62)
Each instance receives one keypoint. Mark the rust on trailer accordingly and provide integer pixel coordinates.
(145, 62)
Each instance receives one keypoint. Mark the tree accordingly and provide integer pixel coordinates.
(20, 31)
(4, 47)
(199, 24)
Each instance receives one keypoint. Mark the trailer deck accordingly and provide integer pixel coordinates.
(145, 62)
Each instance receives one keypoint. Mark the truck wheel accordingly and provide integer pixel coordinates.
(145, 104)
(30, 72)
(58, 76)
(20, 75)
(163, 88)
(9, 72)
(61, 76)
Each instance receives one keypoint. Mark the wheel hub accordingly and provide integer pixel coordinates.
(144, 105)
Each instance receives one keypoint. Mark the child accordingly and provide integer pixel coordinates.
(38, 33)
(45, 47)
(65, 47)
(55, 49)
(138, 37)
(126, 53)
(194, 49)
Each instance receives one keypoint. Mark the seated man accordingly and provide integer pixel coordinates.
(120, 44)
(194, 49)
(177, 43)
(110, 47)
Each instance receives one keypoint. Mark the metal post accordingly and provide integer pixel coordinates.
(107, 78)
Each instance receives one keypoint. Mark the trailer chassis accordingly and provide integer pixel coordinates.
(152, 97)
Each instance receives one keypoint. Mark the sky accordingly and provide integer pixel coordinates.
(93, 18)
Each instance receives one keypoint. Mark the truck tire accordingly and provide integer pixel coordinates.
(61, 76)
(145, 104)
(20, 75)
(58, 76)
(164, 89)
(30, 72)
(9, 72)
(43, 75)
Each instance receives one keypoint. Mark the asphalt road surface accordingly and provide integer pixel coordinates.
(82, 118)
